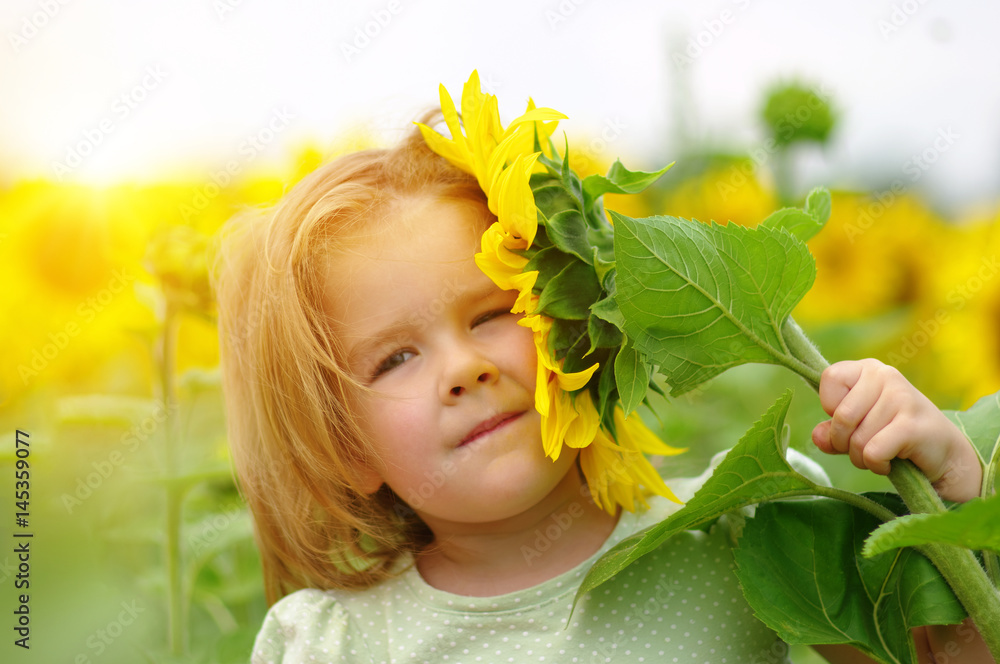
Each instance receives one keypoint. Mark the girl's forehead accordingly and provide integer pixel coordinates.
(415, 249)
(414, 226)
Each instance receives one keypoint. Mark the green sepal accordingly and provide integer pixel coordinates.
(607, 309)
(602, 334)
(568, 231)
(570, 293)
(549, 262)
(607, 391)
(569, 177)
(603, 266)
(631, 376)
(565, 334)
(619, 180)
(578, 357)
(551, 196)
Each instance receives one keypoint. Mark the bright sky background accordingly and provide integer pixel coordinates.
(211, 73)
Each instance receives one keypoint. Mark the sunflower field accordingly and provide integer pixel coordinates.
(141, 549)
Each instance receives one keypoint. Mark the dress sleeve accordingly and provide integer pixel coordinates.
(308, 625)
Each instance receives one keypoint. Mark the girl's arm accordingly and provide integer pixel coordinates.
(936, 644)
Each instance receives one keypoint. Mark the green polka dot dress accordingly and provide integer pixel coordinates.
(680, 603)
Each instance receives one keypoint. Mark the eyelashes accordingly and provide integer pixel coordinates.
(393, 360)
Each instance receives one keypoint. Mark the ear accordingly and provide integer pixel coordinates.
(369, 479)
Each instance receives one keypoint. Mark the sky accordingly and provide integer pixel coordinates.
(108, 90)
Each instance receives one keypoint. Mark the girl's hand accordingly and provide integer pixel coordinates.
(877, 415)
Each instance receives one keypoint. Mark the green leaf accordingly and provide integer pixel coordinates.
(568, 231)
(797, 222)
(819, 205)
(631, 377)
(620, 180)
(981, 425)
(700, 298)
(973, 525)
(805, 223)
(570, 293)
(754, 470)
(800, 568)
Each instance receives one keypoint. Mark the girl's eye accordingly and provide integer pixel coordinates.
(392, 361)
(490, 315)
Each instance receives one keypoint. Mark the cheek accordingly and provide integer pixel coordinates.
(520, 343)
(393, 423)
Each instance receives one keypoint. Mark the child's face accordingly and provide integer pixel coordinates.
(453, 374)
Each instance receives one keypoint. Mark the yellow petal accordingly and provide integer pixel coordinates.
(515, 204)
(635, 431)
(583, 428)
(575, 381)
(445, 147)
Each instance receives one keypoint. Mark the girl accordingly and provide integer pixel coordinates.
(381, 408)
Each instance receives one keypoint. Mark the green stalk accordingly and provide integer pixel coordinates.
(166, 359)
(805, 351)
(883, 514)
(957, 565)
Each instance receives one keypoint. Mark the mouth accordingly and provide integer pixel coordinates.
(488, 426)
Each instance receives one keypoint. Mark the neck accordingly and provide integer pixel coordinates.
(486, 559)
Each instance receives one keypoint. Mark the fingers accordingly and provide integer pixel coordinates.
(835, 382)
(877, 415)
(861, 398)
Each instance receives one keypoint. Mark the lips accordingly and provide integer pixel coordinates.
(490, 425)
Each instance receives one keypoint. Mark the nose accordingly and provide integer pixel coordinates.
(467, 369)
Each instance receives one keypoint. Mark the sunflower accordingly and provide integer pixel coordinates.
(503, 161)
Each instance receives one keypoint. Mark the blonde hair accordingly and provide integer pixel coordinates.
(293, 430)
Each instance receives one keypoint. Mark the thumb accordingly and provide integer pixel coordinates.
(821, 437)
